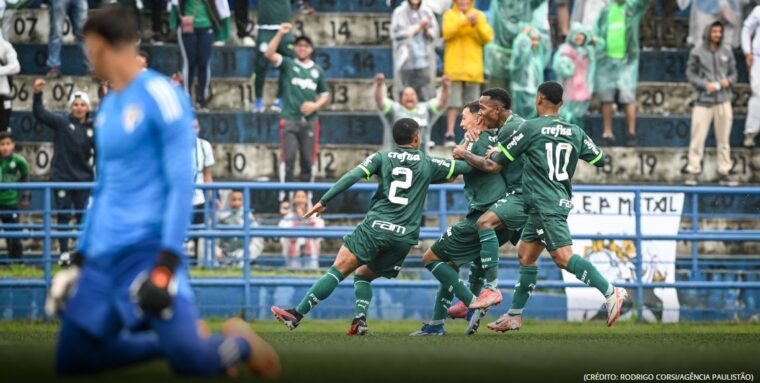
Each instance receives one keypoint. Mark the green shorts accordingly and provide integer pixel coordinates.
(511, 211)
(382, 253)
(550, 229)
(460, 243)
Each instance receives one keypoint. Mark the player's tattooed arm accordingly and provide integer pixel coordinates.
(481, 163)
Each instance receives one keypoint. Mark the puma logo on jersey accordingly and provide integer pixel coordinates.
(515, 140)
(558, 130)
(404, 156)
(388, 226)
(304, 83)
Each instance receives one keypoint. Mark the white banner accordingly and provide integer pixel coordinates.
(613, 213)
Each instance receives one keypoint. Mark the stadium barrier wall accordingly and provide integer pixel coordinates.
(25, 295)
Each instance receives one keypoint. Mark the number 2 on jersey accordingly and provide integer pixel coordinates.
(558, 160)
(404, 184)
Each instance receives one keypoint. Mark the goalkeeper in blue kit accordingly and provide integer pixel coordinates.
(129, 273)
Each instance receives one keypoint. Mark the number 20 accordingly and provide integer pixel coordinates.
(403, 185)
(557, 168)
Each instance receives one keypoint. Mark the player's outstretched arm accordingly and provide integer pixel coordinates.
(592, 153)
(343, 184)
(481, 163)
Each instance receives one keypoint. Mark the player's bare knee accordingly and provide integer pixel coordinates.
(488, 221)
(526, 260)
(429, 256)
(560, 258)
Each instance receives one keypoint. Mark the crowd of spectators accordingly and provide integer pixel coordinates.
(448, 42)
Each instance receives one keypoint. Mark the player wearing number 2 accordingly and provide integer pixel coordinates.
(379, 245)
(551, 148)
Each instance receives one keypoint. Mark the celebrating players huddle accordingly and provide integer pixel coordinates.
(519, 190)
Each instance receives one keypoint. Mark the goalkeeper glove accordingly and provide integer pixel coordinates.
(154, 290)
(64, 282)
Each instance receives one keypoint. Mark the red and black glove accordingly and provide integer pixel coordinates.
(154, 291)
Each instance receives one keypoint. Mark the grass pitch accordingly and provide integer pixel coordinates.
(319, 351)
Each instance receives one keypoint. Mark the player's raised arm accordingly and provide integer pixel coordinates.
(271, 52)
(591, 153)
(445, 169)
(366, 169)
(481, 163)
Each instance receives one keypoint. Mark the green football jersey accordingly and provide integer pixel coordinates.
(12, 168)
(483, 189)
(551, 148)
(512, 171)
(300, 83)
(404, 176)
(273, 12)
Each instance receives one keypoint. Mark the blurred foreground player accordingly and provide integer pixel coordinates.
(379, 245)
(129, 272)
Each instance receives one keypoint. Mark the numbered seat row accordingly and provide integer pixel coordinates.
(328, 28)
(338, 62)
(248, 161)
(352, 95)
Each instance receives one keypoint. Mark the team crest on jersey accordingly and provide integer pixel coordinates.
(12, 165)
(297, 69)
(132, 117)
(314, 73)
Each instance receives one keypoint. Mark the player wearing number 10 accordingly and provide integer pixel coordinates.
(551, 148)
(379, 245)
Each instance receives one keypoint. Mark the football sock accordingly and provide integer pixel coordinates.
(588, 274)
(476, 278)
(320, 290)
(489, 257)
(363, 295)
(442, 303)
(523, 289)
(449, 277)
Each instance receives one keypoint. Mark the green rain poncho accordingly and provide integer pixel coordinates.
(575, 66)
(531, 51)
(506, 18)
(617, 33)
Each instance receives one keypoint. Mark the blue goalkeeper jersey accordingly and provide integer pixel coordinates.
(144, 176)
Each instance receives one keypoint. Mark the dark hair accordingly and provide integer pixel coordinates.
(236, 191)
(305, 39)
(472, 106)
(500, 95)
(552, 91)
(6, 134)
(404, 131)
(146, 55)
(115, 23)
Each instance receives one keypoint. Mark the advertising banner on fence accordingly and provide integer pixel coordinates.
(613, 213)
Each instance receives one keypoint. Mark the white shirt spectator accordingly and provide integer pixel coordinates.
(203, 158)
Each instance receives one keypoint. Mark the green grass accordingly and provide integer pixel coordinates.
(36, 272)
(319, 351)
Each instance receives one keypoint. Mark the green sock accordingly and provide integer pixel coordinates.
(489, 257)
(449, 277)
(442, 303)
(363, 294)
(588, 274)
(476, 278)
(523, 289)
(320, 290)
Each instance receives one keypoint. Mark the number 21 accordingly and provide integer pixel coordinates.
(558, 168)
(403, 185)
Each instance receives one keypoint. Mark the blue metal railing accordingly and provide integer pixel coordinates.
(693, 235)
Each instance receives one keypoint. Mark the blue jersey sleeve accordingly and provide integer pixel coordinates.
(172, 120)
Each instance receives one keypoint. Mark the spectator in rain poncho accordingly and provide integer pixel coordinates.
(574, 63)
(586, 12)
(230, 250)
(531, 50)
(414, 30)
(705, 12)
(617, 31)
(506, 18)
